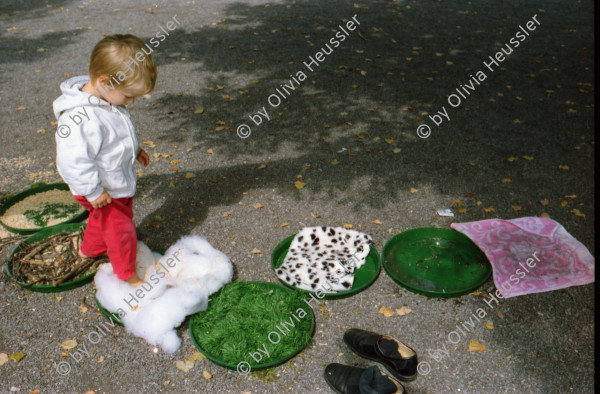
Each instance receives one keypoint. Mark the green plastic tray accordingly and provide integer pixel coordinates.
(363, 277)
(270, 363)
(40, 236)
(35, 189)
(115, 316)
(435, 262)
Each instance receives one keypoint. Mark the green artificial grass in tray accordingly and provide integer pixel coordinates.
(242, 315)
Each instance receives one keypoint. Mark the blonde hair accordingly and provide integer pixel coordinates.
(111, 56)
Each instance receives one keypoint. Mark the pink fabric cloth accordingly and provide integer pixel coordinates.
(510, 244)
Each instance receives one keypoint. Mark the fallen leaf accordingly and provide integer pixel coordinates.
(544, 215)
(571, 196)
(389, 140)
(190, 175)
(469, 162)
(262, 166)
(206, 375)
(489, 209)
(197, 356)
(191, 220)
(256, 251)
(83, 309)
(456, 202)
(209, 151)
(377, 222)
(213, 180)
(516, 208)
(17, 356)
(314, 215)
(544, 202)
(506, 180)
(226, 214)
(199, 111)
(299, 184)
(539, 313)
(21, 108)
(284, 224)
(527, 157)
(258, 206)
(386, 311)
(489, 325)
(158, 218)
(68, 344)
(100, 359)
(469, 194)
(577, 212)
(185, 366)
(397, 150)
(3, 358)
(563, 203)
(335, 162)
(57, 298)
(563, 167)
(475, 346)
(511, 159)
(403, 311)
(413, 190)
(347, 226)
(175, 161)
(150, 144)
(462, 210)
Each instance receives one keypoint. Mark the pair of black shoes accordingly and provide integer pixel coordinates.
(399, 360)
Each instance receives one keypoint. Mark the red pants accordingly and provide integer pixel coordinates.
(111, 231)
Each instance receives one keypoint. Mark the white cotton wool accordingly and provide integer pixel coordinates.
(176, 285)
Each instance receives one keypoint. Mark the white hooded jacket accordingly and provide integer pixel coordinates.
(96, 145)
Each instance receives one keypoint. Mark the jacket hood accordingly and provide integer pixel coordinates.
(73, 97)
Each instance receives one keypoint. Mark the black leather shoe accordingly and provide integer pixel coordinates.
(399, 359)
(344, 379)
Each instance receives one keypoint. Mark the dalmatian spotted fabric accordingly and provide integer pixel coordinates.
(324, 259)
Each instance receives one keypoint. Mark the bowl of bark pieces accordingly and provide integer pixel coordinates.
(49, 260)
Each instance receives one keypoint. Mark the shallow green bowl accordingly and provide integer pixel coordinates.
(36, 189)
(363, 277)
(435, 262)
(254, 367)
(40, 236)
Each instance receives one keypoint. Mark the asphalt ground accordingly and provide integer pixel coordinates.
(348, 133)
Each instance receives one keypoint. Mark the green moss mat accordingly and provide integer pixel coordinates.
(48, 212)
(244, 317)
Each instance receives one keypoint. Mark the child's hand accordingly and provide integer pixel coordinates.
(143, 158)
(102, 201)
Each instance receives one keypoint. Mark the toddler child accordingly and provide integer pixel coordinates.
(96, 146)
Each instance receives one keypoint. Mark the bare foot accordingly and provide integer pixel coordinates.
(84, 256)
(134, 281)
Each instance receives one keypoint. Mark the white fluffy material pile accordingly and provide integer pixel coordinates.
(176, 285)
